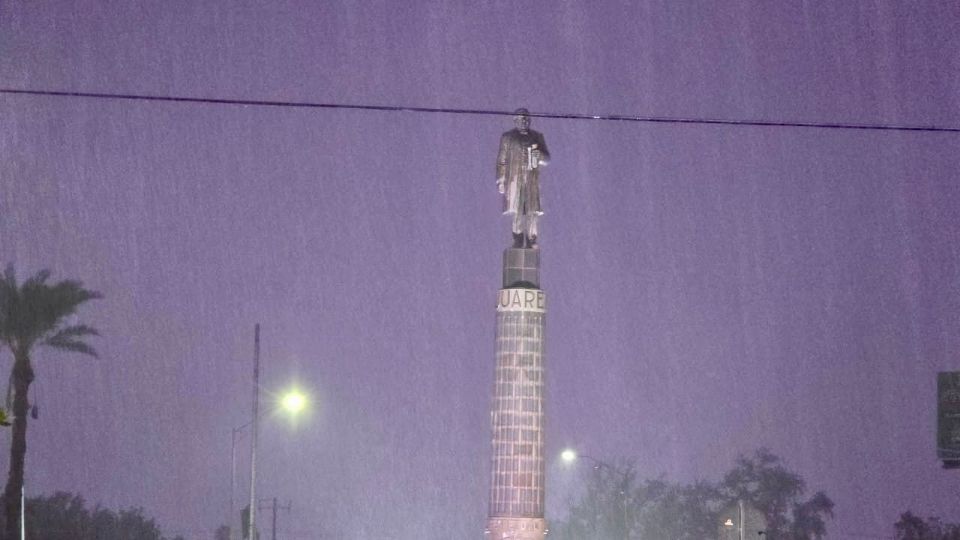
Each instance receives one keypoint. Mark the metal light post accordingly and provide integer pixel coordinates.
(234, 432)
(740, 508)
(571, 456)
(293, 401)
(233, 479)
(743, 521)
(255, 432)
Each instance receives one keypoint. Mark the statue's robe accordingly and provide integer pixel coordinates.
(522, 186)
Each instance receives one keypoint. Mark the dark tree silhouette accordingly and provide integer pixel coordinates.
(64, 516)
(912, 527)
(763, 481)
(31, 314)
(617, 506)
(681, 512)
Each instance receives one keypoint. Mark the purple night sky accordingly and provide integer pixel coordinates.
(712, 289)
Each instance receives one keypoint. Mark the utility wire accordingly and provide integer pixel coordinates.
(488, 112)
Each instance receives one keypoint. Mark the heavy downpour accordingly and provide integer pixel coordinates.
(496, 270)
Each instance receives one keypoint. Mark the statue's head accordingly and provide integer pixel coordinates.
(521, 118)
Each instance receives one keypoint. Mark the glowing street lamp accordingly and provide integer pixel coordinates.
(570, 456)
(294, 401)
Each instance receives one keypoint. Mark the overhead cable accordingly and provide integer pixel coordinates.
(488, 112)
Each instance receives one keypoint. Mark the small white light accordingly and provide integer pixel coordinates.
(294, 402)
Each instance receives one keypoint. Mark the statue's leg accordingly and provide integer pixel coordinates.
(532, 230)
(517, 229)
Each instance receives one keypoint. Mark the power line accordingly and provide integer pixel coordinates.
(488, 112)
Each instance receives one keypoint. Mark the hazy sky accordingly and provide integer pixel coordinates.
(712, 289)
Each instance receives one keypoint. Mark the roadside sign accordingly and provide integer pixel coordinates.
(948, 418)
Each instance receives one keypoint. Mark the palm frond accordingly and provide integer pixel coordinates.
(38, 279)
(35, 310)
(9, 300)
(73, 345)
(75, 331)
(44, 306)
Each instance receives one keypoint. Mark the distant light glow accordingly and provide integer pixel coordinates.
(294, 402)
(568, 455)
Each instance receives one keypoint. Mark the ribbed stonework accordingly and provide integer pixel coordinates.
(517, 413)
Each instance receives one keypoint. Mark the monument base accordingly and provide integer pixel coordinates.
(507, 528)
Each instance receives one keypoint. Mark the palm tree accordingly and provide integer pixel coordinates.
(34, 313)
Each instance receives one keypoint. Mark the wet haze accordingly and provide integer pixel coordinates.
(712, 289)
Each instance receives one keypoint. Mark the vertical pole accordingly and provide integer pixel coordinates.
(254, 434)
(741, 518)
(23, 520)
(626, 527)
(233, 480)
(273, 528)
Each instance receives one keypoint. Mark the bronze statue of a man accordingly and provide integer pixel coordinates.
(522, 152)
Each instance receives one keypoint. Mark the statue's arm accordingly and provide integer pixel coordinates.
(502, 158)
(544, 153)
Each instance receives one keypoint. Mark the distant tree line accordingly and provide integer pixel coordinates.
(617, 505)
(912, 527)
(65, 516)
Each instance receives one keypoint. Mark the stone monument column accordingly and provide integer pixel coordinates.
(517, 481)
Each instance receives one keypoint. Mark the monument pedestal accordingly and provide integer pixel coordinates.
(521, 268)
(517, 482)
(516, 529)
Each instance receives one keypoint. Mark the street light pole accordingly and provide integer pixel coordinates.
(293, 402)
(740, 507)
(254, 433)
(233, 479)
